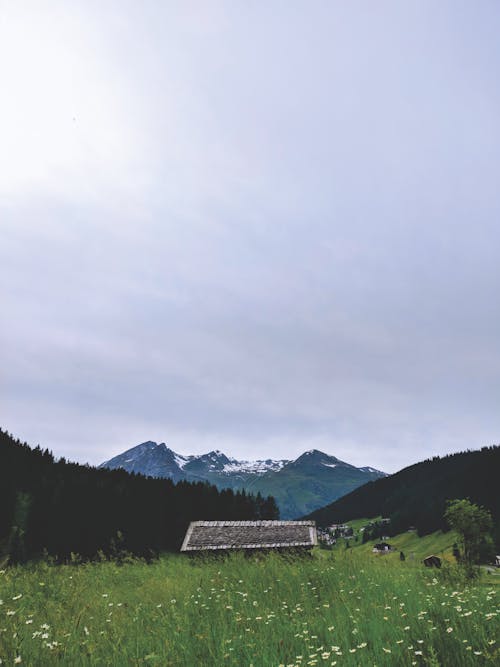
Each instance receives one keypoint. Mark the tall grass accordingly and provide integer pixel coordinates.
(340, 608)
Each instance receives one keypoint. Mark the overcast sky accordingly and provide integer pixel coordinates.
(259, 227)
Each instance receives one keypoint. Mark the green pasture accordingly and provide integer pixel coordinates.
(413, 547)
(342, 607)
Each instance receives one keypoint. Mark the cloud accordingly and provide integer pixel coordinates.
(220, 229)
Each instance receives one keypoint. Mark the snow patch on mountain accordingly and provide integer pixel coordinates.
(374, 470)
(255, 467)
(181, 460)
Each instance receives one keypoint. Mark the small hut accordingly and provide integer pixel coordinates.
(432, 561)
(382, 548)
(243, 535)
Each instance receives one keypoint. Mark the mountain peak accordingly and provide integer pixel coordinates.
(144, 447)
(314, 456)
(216, 453)
(214, 460)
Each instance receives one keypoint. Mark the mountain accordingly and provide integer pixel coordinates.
(157, 460)
(417, 495)
(299, 486)
(303, 485)
(150, 459)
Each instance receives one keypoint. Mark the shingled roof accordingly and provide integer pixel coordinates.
(213, 535)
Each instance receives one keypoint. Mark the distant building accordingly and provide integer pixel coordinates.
(325, 537)
(432, 561)
(244, 535)
(381, 548)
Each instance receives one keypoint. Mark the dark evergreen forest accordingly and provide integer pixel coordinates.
(417, 495)
(59, 508)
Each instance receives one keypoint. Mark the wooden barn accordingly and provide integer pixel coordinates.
(244, 535)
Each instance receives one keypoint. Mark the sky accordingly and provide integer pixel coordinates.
(259, 227)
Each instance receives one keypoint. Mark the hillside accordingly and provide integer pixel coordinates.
(417, 495)
(299, 486)
(61, 507)
(415, 547)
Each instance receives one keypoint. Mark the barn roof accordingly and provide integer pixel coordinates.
(213, 535)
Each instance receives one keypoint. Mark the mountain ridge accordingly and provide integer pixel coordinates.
(299, 485)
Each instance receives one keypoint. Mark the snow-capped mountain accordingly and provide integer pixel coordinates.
(157, 460)
(300, 486)
(150, 458)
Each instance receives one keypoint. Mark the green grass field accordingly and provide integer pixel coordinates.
(414, 547)
(342, 607)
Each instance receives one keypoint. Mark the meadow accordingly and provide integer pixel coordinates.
(413, 546)
(337, 607)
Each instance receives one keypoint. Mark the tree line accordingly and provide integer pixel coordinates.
(59, 508)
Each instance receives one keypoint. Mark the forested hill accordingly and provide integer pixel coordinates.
(416, 496)
(63, 507)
